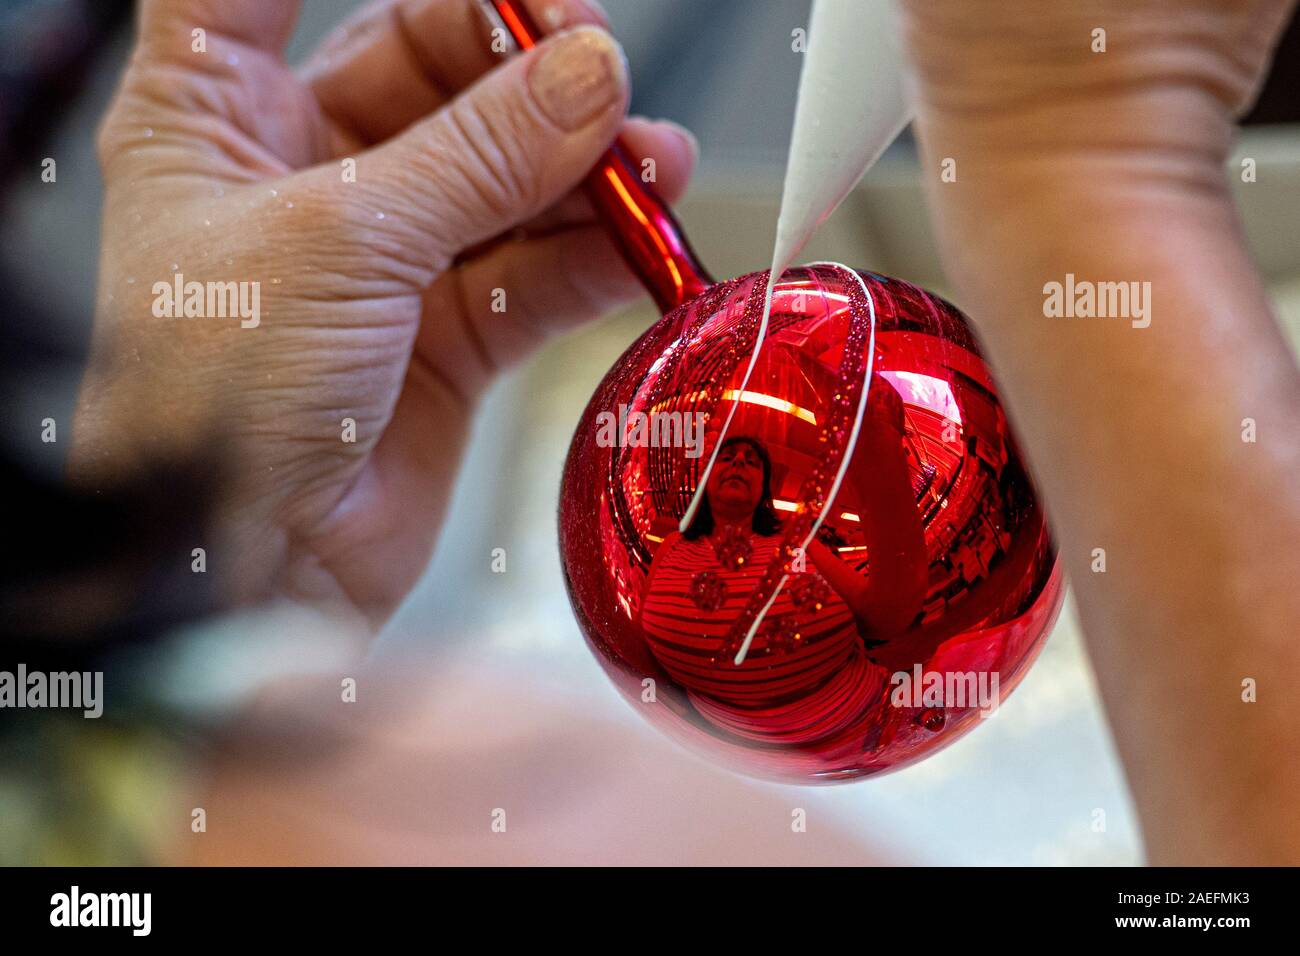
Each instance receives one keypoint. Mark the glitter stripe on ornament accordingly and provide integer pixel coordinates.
(848, 375)
(694, 506)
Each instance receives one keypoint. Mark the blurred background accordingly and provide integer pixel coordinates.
(1022, 788)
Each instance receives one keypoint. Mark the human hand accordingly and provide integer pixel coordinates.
(404, 209)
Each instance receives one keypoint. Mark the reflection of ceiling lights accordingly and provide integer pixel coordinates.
(926, 391)
(769, 401)
(781, 505)
(807, 289)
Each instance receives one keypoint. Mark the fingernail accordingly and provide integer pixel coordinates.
(581, 74)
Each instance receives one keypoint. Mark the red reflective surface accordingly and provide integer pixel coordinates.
(917, 604)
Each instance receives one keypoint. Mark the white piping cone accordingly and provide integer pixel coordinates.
(852, 104)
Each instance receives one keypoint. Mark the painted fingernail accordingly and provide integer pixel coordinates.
(581, 74)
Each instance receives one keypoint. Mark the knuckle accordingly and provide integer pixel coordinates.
(325, 210)
(337, 221)
(492, 146)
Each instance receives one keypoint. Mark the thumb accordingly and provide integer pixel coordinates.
(505, 149)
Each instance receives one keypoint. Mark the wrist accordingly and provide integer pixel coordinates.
(973, 58)
(1024, 106)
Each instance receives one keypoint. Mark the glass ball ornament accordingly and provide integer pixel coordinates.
(867, 571)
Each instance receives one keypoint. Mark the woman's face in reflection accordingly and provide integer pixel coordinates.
(736, 482)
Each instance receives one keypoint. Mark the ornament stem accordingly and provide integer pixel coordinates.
(641, 225)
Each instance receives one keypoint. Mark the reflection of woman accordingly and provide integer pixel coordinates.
(806, 677)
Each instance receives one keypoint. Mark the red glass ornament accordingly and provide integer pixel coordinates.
(932, 561)
(868, 569)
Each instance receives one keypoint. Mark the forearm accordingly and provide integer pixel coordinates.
(884, 602)
(1137, 439)
(844, 581)
(1092, 142)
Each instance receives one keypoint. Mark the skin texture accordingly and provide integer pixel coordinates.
(376, 295)
(1108, 166)
(1111, 166)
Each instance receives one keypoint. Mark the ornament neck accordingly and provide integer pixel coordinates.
(641, 225)
(645, 231)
